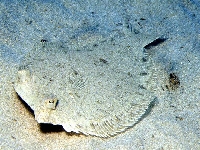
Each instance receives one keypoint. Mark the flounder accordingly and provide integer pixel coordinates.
(99, 92)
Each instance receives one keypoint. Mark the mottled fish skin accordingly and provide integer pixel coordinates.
(79, 91)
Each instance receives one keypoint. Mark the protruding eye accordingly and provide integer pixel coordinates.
(51, 103)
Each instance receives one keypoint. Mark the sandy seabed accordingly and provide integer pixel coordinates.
(173, 123)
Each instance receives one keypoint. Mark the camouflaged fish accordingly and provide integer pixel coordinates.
(100, 91)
